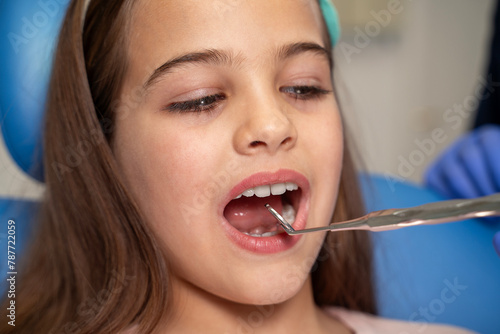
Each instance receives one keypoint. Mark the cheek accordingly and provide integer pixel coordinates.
(175, 174)
(155, 162)
(325, 148)
(324, 141)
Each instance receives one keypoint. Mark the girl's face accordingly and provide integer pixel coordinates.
(220, 98)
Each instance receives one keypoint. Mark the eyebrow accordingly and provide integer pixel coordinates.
(221, 57)
(290, 50)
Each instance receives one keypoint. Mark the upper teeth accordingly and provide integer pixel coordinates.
(267, 190)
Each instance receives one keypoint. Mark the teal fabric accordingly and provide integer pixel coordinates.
(332, 20)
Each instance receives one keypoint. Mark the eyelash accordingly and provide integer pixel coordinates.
(206, 103)
(305, 92)
(209, 102)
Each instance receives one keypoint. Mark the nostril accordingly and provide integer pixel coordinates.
(286, 140)
(256, 143)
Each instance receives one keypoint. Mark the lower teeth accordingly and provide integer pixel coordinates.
(267, 234)
(289, 215)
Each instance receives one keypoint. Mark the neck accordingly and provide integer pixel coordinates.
(201, 312)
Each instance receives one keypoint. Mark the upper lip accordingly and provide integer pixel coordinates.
(267, 178)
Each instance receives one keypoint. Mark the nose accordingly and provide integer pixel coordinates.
(265, 127)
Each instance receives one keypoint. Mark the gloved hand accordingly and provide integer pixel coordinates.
(469, 168)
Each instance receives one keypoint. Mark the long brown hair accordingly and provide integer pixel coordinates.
(95, 266)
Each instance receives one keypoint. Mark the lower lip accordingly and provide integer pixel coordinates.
(268, 245)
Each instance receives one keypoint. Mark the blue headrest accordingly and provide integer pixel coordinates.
(29, 30)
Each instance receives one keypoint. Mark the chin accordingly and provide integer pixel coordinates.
(276, 280)
(269, 290)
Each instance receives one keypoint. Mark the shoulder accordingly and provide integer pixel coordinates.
(362, 323)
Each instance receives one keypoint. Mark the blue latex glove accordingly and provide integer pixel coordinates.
(469, 168)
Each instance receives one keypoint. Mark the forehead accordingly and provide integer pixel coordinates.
(162, 30)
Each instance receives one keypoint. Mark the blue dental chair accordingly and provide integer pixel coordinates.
(446, 273)
(443, 273)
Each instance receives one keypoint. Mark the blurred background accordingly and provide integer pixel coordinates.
(410, 74)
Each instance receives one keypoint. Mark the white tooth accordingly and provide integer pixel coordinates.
(295, 187)
(290, 186)
(278, 189)
(239, 196)
(248, 193)
(257, 235)
(257, 231)
(262, 191)
(289, 213)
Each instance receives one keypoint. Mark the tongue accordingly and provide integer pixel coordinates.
(249, 213)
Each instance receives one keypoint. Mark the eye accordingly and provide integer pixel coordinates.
(205, 103)
(304, 92)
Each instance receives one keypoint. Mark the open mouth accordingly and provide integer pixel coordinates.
(247, 212)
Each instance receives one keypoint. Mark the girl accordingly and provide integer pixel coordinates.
(191, 116)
